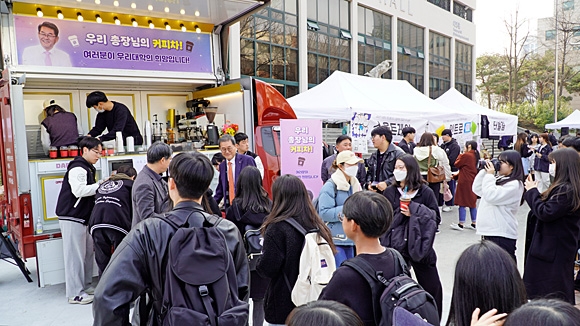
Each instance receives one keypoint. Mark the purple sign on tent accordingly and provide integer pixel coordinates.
(68, 43)
(301, 151)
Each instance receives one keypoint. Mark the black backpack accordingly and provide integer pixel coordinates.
(200, 283)
(253, 240)
(399, 291)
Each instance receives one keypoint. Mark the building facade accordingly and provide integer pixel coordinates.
(296, 44)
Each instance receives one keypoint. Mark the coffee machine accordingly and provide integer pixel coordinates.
(212, 131)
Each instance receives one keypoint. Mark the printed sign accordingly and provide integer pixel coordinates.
(463, 129)
(301, 151)
(359, 132)
(68, 43)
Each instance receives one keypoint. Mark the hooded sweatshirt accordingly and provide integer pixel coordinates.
(422, 153)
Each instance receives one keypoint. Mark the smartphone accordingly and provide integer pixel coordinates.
(533, 176)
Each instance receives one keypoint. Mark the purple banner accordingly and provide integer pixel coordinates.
(301, 151)
(93, 45)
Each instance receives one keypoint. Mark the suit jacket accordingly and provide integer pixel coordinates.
(149, 195)
(222, 192)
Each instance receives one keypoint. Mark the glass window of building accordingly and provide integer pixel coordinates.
(568, 5)
(550, 35)
(462, 11)
(463, 68)
(445, 4)
(374, 40)
(439, 64)
(410, 54)
(269, 46)
(329, 39)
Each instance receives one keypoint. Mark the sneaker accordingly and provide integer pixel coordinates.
(90, 290)
(447, 209)
(81, 299)
(471, 226)
(438, 231)
(456, 226)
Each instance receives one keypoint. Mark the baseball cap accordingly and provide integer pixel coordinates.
(447, 132)
(347, 157)
(48, 103)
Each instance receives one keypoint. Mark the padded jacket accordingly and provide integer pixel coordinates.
(139, 263)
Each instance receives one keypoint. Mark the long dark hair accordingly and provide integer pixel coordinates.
(541, 312)
(323, 312)
(521, 141)
(53, 109)
(546, 138)
(414, 180)
(486, 277)
(567, 177)
(514, 159)
(290, 199)
(426, 140)
(473, 145)
(250, 195)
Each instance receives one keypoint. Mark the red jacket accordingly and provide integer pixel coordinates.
(467, 165)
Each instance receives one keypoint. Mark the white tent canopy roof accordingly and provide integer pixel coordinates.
(457, 101)
(342, 93)
(571, 121)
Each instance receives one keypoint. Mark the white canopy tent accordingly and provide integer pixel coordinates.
(571, 121)
(500, 124)
(342, 93)
(370, 102)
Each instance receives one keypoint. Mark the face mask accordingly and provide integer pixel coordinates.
(351, 171)
(99, 110)
(552, 169)
(400, 175)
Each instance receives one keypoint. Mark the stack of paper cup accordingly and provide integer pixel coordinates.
(119, 142)
(130, 144)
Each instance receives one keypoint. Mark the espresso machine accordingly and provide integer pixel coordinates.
(212, 131)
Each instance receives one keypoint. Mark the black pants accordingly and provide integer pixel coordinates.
(428, 277)
(508, 245)
(105, 240)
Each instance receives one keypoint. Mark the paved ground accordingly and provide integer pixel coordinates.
(25, 303)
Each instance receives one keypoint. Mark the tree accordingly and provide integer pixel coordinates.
(516, 56)
(538, 77)
(490, 70)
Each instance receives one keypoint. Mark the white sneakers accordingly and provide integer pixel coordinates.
(81, 299)
(447, 209)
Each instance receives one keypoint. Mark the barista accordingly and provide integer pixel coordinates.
(114, 116)
(59, 128)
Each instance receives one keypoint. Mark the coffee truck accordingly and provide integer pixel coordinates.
(163, 59)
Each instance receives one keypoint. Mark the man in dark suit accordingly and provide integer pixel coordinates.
(150, 194)
(230, 168)
(407, 144)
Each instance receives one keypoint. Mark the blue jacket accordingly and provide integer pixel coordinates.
(330, 201)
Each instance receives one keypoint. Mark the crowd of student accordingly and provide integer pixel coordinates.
(393, 200)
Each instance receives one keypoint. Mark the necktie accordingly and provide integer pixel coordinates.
(231, 182)
(47, 59)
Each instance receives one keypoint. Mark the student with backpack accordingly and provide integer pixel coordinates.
(414, 225)
(184, 260)
(292, 209)
(342, 183)
(248, 212)
(366, 217)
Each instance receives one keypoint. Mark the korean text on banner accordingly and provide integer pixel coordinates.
(301, 151)
(67, 43)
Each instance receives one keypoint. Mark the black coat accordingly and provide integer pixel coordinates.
(423, 225)
(452, 149)
(386, 167)
(407, 147)
(281, 255)
(243, 219)
(113, 208)
(550, 262)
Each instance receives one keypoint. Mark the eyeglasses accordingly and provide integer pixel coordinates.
(96, 152)
(227, 149)
(46, 35)
(341, 217)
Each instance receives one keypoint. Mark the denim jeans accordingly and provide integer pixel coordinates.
(463, 215)
(343, 253)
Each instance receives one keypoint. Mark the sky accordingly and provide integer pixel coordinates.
(489, 18)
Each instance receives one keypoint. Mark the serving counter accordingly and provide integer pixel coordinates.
(46, 177)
